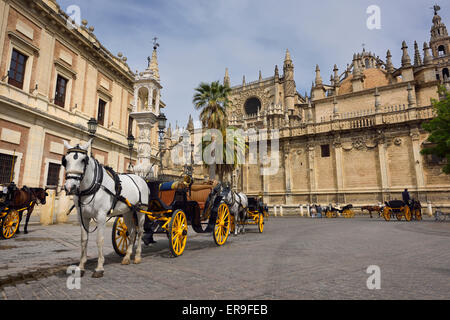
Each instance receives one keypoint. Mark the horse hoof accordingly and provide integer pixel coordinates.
(97, 274)
(26, 232)
(137, 260)
(81, 273)
(126, 261)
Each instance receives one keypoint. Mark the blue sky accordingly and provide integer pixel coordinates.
(200, 38)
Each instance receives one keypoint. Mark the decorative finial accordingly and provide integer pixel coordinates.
(436, 8)
(155, 43)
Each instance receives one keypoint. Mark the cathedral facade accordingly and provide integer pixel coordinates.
(356, 139)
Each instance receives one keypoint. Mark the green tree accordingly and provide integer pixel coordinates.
(212, 100)
(439, 129)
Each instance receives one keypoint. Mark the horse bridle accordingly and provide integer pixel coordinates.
(76, 150)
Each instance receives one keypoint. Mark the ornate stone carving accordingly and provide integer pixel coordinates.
(398, 141)
(359, 143)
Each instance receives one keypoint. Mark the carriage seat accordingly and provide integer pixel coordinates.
(395, 204)
(200, 193)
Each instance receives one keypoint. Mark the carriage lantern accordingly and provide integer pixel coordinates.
(92, 127)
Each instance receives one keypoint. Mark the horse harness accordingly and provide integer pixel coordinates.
(97, 184)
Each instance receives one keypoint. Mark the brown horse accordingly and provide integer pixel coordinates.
(25, 199)
(372, 209)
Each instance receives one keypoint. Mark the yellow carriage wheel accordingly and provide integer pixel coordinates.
(10, 224)
(399, 217)
(418, 214)
(328, 214)
(178, 228)
(222, 226)
(407, 213)
(261, 223)
(120, 237)
(387, 214)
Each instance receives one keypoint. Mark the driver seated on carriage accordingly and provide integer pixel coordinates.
(6, 193)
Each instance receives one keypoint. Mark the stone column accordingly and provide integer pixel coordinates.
(287, 172)
(157, 102)
(418, 165)
(145, 121)
(339, 168)
(312, 173)
(33, 159)
(383, 165)
(150, 98)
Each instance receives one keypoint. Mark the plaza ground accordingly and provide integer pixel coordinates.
(295, 258)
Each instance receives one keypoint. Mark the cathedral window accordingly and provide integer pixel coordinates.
(441, 50)
(325, 150)
(252, 106)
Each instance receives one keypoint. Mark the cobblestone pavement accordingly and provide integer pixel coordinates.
(295, 258)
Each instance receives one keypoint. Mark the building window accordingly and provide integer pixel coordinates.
(130, 126)
(325, 150)
(252, 106)
(101, 112)
(53, 175)
(445, 74)
(441, 50)
(7, 163)
(60, 94)
(16, 73)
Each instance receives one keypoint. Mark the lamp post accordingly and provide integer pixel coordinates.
(130, 140)
(161, 129)
(92, 129)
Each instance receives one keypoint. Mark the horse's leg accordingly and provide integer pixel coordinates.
(20, 220)
(131, 225)
(140, 232)
(29, 212)
(84, 241)
(101, 220)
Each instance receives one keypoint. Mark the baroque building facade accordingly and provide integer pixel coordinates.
(54, 77)
(356, 139)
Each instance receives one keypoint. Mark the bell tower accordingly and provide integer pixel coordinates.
(440, 46)
(146, 108)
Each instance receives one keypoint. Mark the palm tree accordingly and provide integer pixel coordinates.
(212, 100)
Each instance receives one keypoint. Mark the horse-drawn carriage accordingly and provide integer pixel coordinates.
(175, 205)
(346, 212)
(400, 209)
(13, 202)
(254, 215)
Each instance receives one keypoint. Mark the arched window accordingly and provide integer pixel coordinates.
(445, 74)
(143, 98)
(252, 106)
(441, 50)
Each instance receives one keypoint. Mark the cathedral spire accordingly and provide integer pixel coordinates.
(427, 59)
(417, 57)
(288, 56)
(389, 66)
(153, 63)
(318, 76)
(226, 79)
(406, 60)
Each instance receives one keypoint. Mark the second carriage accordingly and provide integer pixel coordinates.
(175, 205)
(256, 212)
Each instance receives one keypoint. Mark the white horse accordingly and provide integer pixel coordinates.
(237, 203)
(95, 197)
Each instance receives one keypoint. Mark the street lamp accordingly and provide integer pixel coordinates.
(161, 128)
(130, 140)
(92, 127)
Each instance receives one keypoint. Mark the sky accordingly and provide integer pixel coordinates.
(200, 38)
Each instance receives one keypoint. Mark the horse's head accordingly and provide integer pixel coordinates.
(75, 163)
(226, 193)
(41, 195)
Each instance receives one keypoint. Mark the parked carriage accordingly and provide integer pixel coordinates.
(255, 213)
(400, 209)
(346, 212)
(175, 205)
